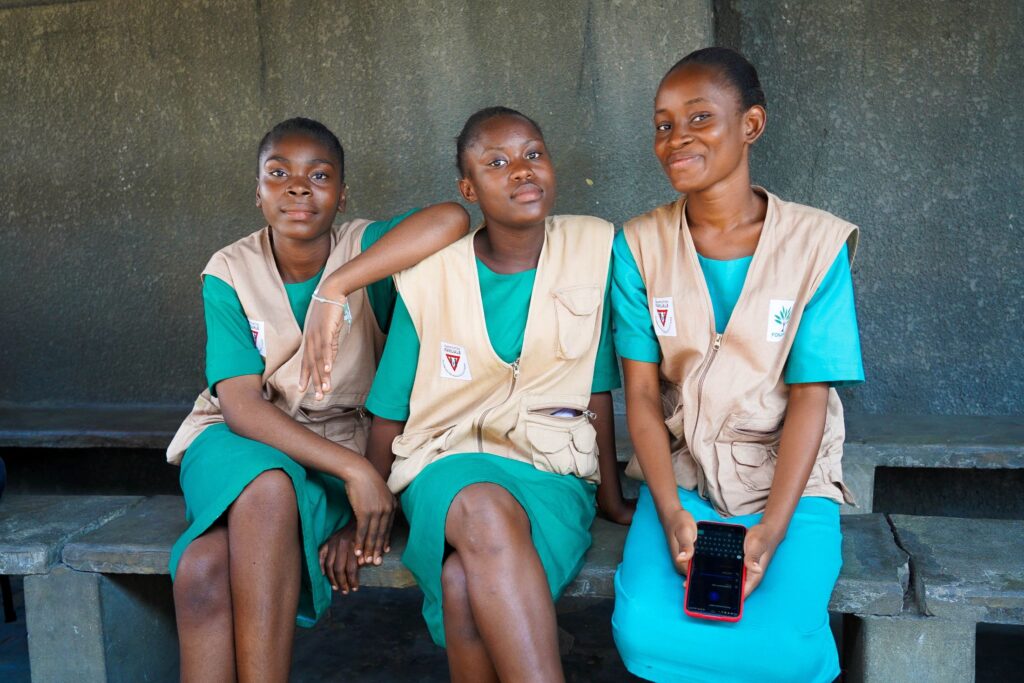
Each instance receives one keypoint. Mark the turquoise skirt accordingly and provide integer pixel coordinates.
(220, 464)
(784, 634)
(560, 509)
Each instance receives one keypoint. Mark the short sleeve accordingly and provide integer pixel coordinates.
(392, 387)
(606, 368)
(827, 343)
(230, 349)
(633, 330)
(382, 293)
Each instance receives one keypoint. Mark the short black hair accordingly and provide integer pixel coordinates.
(308, 127)
(471, 129)
(734, 67)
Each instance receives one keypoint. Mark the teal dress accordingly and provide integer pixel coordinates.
(784, 634)
(560, 507)
(219, 464)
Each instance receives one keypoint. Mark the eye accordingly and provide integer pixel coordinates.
(699, 118)
(319, 175)
(533, 155)
(277, 172)
(497, 163)
(663, 127)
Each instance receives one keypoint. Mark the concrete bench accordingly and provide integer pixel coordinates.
(963, 572)
(104, 612)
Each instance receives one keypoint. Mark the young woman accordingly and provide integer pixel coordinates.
(735, 319)
(492, 402)
(270, 471)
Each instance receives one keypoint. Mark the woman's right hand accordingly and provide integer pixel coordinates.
(681, 532)
(320, 344)
(374, 508)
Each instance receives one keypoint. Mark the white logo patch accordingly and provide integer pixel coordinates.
(780, 311)
(454, 362)
(663, 315)
(259, 337)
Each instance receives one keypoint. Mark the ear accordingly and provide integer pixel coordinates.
(259, 199)
(467, 190)
(754, 121)
(343, 198)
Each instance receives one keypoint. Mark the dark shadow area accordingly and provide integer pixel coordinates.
(93, 471)
(1000, 653)
(941, 492)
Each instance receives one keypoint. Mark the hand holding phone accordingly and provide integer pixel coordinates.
(715, 582)
(681, 531)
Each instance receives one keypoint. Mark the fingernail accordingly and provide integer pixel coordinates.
(327, 367)
(326, 386)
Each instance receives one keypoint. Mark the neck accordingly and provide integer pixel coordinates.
(509, 250)
(300, 260)
(726, 205)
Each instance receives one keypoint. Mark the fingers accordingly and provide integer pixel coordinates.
(371, 551)
(685, 535)
(387, 535)
(352, 571)
(341, 569)
(362, 527)
(323, 554)
(754, 562)
(327, 564)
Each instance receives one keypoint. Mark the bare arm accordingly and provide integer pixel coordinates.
(248, 414)
(382, 434)
(416, 237)
(609, 491)
(798, 449)
(650, 439)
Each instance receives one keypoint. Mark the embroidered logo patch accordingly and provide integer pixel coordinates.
(663, 315)
(454, 362)
(780, 311)
(259, 337)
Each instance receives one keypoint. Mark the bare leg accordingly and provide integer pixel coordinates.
(202, 604)
(263, 530)
(508, 591)
(468, 661)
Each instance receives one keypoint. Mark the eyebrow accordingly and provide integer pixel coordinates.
(287, 160)
(531, 141)
(687, 103)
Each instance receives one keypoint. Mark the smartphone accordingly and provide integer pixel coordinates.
(714, 586)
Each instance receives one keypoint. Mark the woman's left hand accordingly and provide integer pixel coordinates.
(320, 344)
(758, 549)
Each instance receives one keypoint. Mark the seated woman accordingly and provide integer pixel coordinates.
(269, 470)
(492, 399)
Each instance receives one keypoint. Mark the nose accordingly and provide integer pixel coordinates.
(298, 186)
(680, 136)
(521, 170)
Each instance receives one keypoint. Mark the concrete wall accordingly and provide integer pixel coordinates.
(905, 118)
(129, 135)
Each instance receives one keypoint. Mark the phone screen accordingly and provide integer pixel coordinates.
(714, 586)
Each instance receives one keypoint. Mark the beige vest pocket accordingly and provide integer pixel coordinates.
(422, 444)
(562, 445)
(576, 313)
(755, 468)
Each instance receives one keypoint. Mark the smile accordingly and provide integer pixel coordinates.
(681, 161)
(299, 213)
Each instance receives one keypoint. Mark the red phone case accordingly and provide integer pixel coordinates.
(743, 584)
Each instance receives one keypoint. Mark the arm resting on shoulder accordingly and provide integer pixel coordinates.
(650, 440)
(413, 239)
(248, 414)
(798, 449)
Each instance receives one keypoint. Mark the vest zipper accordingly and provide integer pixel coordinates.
(483, 415)
(715, 345)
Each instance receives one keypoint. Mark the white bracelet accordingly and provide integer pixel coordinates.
(339, 304)
(346, 310)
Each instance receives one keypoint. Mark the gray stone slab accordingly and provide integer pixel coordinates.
(966, 569)
(875, 573)
(910, 648)
(34, 529)
(89, 426)
(138, 542)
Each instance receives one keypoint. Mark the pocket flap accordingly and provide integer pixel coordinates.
(547, 439)
(750, 454)
(585, 438)
(407, 443)
(579, 300)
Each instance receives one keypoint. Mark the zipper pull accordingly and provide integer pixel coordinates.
(591, 415)
(515, 369)
(718, 342)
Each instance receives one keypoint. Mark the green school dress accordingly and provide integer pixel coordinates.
(219, 464)
(560, 507)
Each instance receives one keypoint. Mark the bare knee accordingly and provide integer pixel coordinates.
(270, 497)
(202, 587)
(453, 581)
(485, 518)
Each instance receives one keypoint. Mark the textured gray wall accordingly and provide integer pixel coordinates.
(129, 130)
(906, 118)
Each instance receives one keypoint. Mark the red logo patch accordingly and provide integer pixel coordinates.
(453, 360)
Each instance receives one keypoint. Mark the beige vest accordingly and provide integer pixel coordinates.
(248, 266)
(724, 395)
(466, 399)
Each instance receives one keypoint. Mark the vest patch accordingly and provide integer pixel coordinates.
(454, 362)
(663, 316)
(780, 311)
(259, 337)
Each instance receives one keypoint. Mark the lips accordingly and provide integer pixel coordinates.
(299, 212)
(527, 192)
(682, 160)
